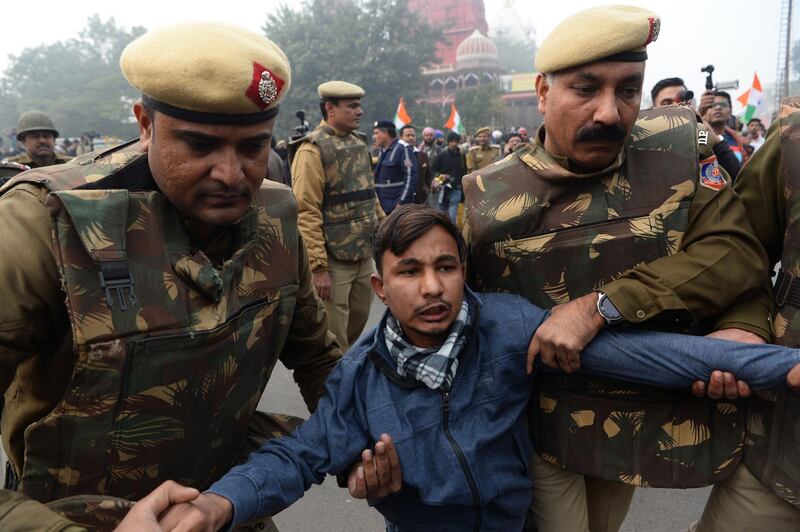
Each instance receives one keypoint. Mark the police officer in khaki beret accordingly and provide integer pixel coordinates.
(614, 217)
(483, 153)
(36, 132)
(169, 277)
(338, 208)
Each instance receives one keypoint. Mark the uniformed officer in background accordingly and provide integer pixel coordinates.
(338, 208)
(610, 228)
(396, 171)
(483, 153)
(38, 135)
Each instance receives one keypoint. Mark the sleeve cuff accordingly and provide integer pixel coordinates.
(763, 332)
(635, 304)
(243, 494)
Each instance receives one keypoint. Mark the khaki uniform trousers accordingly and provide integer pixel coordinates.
(742, 503)
(351, 296)
(569, 502)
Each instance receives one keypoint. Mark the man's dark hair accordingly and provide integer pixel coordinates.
(511, 135)
(453, 136)
(757, 120)
(663, 84)
(725, 95)
(390, 130)
(334, 101)
(407, 126)
(405, 225)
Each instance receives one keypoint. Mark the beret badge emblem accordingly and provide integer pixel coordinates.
(267, 88)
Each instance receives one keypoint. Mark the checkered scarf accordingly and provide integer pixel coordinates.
(434, 367)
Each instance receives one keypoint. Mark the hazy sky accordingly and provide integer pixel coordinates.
(736, 36)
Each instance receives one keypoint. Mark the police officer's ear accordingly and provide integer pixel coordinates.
(542, 88)
(145, 120)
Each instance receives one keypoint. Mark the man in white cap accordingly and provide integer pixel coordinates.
(150, 289)
(338, 208)
(614, 217)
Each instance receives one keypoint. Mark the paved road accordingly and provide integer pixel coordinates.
(328, 508)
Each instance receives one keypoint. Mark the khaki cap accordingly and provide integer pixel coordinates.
(610, 33)
(484, 129)
(208, 72)
(339, 89)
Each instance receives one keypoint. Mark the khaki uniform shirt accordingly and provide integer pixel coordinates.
(308, 184)
(36, 349)
(478, 157)
(25, 159)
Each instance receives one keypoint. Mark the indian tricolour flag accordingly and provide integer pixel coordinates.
(401, 117)
(454, 122)
(751, 99)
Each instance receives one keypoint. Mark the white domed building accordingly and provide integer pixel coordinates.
(476, 64)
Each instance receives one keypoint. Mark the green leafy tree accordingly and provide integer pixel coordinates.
(480, 106)
(377, 44)
(77, 82)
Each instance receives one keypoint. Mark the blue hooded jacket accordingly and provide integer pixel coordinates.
(464, 454)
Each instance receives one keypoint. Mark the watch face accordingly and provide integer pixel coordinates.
(608, 310)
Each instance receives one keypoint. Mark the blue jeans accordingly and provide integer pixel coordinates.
(675, 360)
(452, 209)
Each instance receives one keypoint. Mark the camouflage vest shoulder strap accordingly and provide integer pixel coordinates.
(348, 209)
(172, 354)
(772, 453)
(551, 235)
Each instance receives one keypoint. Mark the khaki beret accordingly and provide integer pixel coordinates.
(339, 89)
(484, 129)
(208, 72)
(611, 33)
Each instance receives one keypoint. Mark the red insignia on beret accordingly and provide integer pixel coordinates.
(265, 87)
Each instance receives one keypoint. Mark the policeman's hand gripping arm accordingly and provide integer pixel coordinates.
(564, 334)
(723, 384)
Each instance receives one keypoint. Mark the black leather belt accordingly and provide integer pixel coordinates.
(787, 289)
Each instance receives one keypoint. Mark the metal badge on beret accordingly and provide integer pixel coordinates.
(267, 89)
(265, 86)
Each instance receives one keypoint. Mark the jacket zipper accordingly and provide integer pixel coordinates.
(473, 487)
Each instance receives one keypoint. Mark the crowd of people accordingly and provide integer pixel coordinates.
(569, 316)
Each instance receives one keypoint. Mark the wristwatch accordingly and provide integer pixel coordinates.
(608, 311)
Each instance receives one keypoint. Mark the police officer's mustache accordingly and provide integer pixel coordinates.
(612, 133)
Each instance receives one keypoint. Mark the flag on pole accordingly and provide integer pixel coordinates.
(401, 117)
(454, 122)
(751, 99)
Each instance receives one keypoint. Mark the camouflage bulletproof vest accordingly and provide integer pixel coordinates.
(549, 235)
(348, 210)
(172, 353)
(772, 451)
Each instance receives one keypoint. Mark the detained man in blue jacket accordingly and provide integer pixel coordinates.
(447, 374)
(397, 172)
